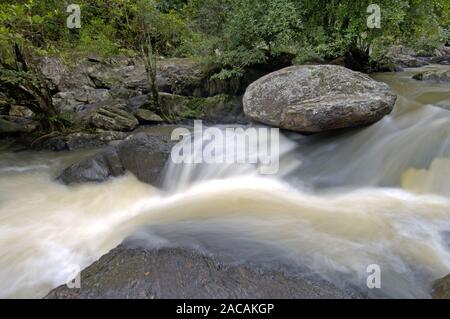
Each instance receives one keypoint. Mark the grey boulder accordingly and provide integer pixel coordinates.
(144, 154)
(316, 98)
(139, 273)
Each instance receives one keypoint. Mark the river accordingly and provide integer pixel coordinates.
(341, 201)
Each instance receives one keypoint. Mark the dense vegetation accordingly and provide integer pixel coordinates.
(225, 36)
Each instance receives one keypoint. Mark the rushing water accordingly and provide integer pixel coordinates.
(376, 195)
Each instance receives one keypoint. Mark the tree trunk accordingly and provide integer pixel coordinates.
(150, 62)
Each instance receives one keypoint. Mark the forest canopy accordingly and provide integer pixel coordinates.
(225, 35)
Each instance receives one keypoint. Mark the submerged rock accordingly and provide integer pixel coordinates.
(441, 288)
(144, 154)
(434, 76)
(138, 273)
(97, 168)
(317, 98)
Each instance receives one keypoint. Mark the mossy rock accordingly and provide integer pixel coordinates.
(441, 288)
(216, 109)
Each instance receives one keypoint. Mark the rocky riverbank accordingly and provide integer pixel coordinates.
(110, 100)
(139, 273)
(105, 99)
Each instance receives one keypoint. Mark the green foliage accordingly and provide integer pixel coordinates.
(226, 35)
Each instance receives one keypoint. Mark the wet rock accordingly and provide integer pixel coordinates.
(317, 98)
(138, 273)
(444, 60)
(97, 168)
(144, 154)
(13, 124)
(439, 76)
(441, 288)
(114, 118)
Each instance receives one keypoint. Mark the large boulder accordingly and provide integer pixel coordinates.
(144, 154)
(139, 273)
(317, 98)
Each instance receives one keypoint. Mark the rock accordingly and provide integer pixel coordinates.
(179, 76)
(4, 105)
(113, 118)
(434, 76)
(444, 60)
(443, 51)
(138, 273)
(20, 111)
(98, 168)
(441, 288)
(103, 76)
(62, 77)
(399, 57)
(148, 117)
(311, 99)
(219, 109)
(406, 61)
(79, 99)
(13, 124)
(144, 154)
(139, 101)
(81, 140)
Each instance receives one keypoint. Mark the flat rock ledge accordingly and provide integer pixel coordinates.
(138, 273)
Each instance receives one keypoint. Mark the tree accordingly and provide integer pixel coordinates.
(154, 30)
(257, 30)
(19, 72)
